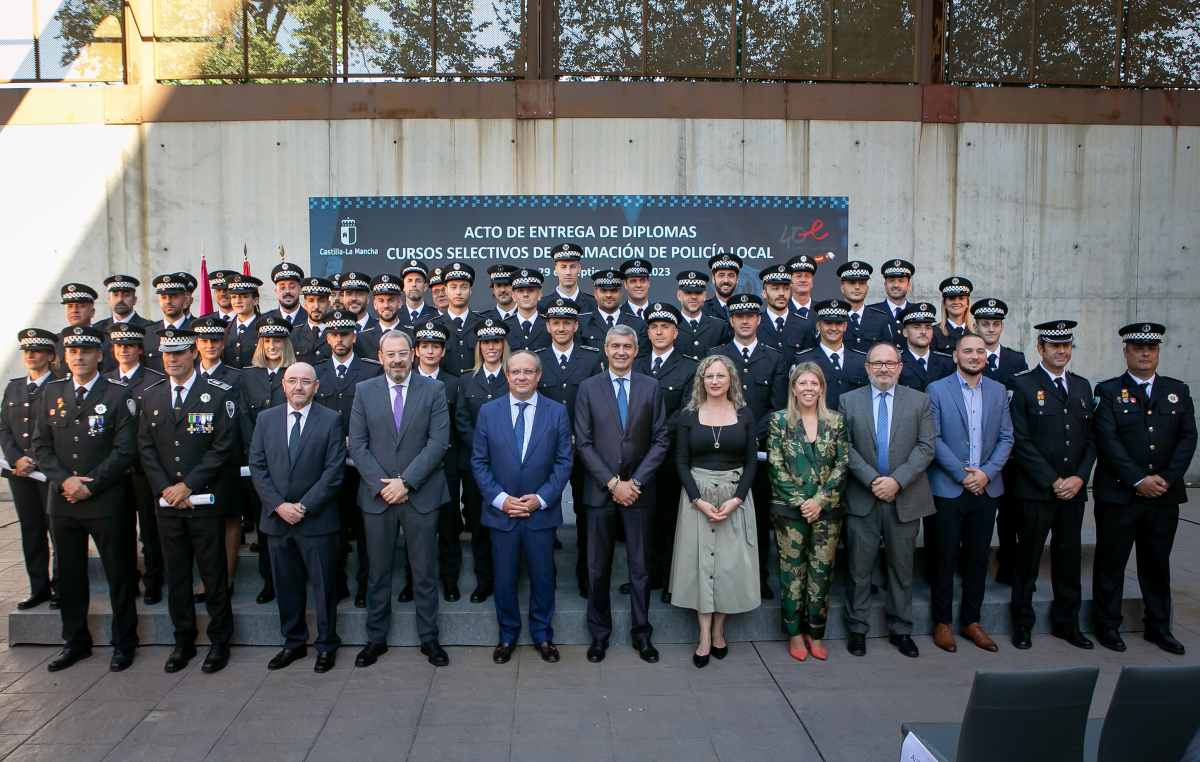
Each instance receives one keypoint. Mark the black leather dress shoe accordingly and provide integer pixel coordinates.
(152, 596)
(68, 656)
(360, 599)
(437, 655)
(548, 651)
(325, 661)
(856, 644)
(625, 588)
(646, 650)
(766, 592)
(122, 659)
(596, 651)
(1166, 641)
(217, 658)
(1111, 639)
(266, 595)
(481, 593)
(503, 653)
(179, 658)
(666, 596)
(582, 583)
(904, 644)
(1021, 638)
(54, 599)
(370, 654)
(450, 592)
(405, 595)
(33, 600)
(286, 656)
(1075, 638)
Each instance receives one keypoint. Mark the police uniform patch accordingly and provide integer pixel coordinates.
(205, 397)
(101, 409)
(230, 408)
(1172, 398)
(129, 403)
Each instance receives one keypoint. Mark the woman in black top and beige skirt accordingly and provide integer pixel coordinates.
(714, 569)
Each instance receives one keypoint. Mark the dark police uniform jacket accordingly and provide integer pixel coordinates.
(593, 327)
(586, 302)
(1011, 363)
(473, 392)
(338, 393)
(366, 342)
(713, 306)
(872, 328)
(152, 357)
(97, 439)
(798, 333)
(222, 372)
(563, 385)
(710, 333)
(109, 362)
(888, 328)
(199, 447)
(852, 374)
(538, 338)
(424, 315)
(17, 417)
(460, 344)
(913, 376)
(300, 318)
(764, 382)
(1053, 436)
(309, 344)
(138, 381)
(259, 390)
(455, 450)
(945, 342)
(239, 348)
(675, 377)
(1136, 437)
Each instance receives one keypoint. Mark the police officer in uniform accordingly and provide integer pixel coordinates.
(387, 297)
(355, 291)
(85, 440)
(1053, 453)
(763, 370)
(79, 308)
(308, 338)
(674, 370)
(211, 334)
(526, 329)
(699, 333)
(337, 379)
(437, 290)
(188, 439)
(414, 277)
(897, 283)
(21, 396)
(241, 336)
(122, 299)
(1145, 426)
(500, 276)
(565, 364)
(635, 277)
(781, 326)
(568, 270)
(866, 326)
(726, 269)
(956, 314)
(288, 278)
(922, 366)
(803, 270)
(593, 327)
(844, 368)
(126, 340)
(459, 321)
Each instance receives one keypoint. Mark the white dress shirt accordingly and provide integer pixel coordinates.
(514, 411)
(840, 352)
(88, 386)
(291, 419)
(187, 386)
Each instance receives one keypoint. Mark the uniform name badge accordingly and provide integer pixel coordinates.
(200, 423)
(95, 425)
(1172, 398)
(1041, 398)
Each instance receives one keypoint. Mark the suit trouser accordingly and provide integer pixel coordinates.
(420, 533)
(1119, 527)
(114, 542)
(481, 545)
(863, 534)
(964, 524)
(602, 530)
(761, 488)
(1010, 516)
(450, 527)
(351, 521)
(536, 547)
(264, 553)
(297, 559)
(147, 519)
(1063, 521)
(578, 479)
(199, 539)
(666, 513)
(806, 554)
(29, 498)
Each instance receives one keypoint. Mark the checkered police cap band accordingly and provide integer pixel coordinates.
(855, 271)
(413, 266)
(315, 287)
(1056, 331)
(527, 279)
(77, 292)
(1143, 333)
(607, 279)
(432, 332)
(33, 338)
(286, 271)
(802, 264)
(458, 271)
(122, 285)
(169, 284)
(355, 282)
(658, 311)
(207, 330)
(341, 321)
(273, 331)
(955, 286)
(125, 335)
(566, 252)
(776, 274)
(724, 262)
(386, 284)
(989, 308)
(490, 329)
(833, 311)
(744, 303)
(691, 281)
(897, 268)
(435, 277)
(173, 342)
(919, 313)
(635, 269)
(562, 308)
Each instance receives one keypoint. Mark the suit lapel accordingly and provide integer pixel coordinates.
(957, 396)
(414, 387)
(611, 397)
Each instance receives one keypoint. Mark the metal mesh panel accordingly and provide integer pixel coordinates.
(988, 40)
(874, 40)
(690, 38)
(198, 39)
(786, 39)
(291, 41)
(600, 36)
(390, 38)
(1077, 42)
(478, 36)
(62, 40)
(1163, 43)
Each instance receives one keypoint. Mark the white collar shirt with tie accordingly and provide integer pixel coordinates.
(774, 317)
(414, 313)
(362, 322)
(187, 386)
(797, 306)
(746, 350)
(657, 361)
(244, 325)
(839, 353)
(522, 319)
(514, 410)
(86, 387)
(609, 318)
(896, 309)
(209, 371)
(340, 367)
(876, 393)
(564, 356)
(693, 321)
(177, 324)
(922, 360)
(1149, 383)
(39, 380)
(291, 418)
(627, 378)
(289, 316)
(639, 309)
(126, 376)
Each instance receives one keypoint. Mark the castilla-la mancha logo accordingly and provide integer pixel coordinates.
(349, 232)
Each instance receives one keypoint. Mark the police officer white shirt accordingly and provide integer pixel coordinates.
(564, 357)
(840, 353)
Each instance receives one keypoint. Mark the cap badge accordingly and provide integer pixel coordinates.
(1146, 328)
(991, 302)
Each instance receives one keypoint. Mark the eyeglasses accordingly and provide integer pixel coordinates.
(710, 377)
(883, 364)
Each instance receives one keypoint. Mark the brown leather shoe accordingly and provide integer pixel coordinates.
(974, 632)
(943, 638)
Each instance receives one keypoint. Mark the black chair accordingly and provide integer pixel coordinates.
(1154, 714)
(1026, 716)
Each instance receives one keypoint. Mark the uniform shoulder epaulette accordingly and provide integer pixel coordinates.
(856, 351)
(540, 350)
(947, 355)
(369, 361)
(693, 358)
(117, 382)
(14, 380)
(220, 384)
(162, 380)
(231, 369)
(588, 348)
(801, 352)
(319, 363)
(1172, 380)
(62, 380)
(152, 372)
(1023, 372)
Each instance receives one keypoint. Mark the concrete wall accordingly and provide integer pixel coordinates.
(1096, 223)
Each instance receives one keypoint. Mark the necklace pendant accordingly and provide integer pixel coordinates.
(716, 445)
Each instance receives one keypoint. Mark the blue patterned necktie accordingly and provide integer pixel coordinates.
(881, 436)
(519, 428)
(294, 439)
(623, 403)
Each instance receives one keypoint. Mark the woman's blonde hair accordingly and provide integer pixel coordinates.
(503, 358)
(259, 360)
(793, 407)
(968, 318)
(700, 393)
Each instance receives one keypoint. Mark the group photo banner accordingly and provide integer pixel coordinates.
(376, 234)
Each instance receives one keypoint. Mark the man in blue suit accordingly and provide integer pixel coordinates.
(521, 459)
(297, 457)
(974, 438)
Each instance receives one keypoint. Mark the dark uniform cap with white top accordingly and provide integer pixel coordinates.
(743, 303)
(243, 284)
(802, 263)
(635, 268)
(606, 279)
(316, 287)
(414, 266)
(692, 281)
(386, 283)
(459, 271)
(661, 312)
(990, 309)
(431, 332)
(121, 283)
(527, 279)
(77, 292)
(897, 268)
(340, 321)
(561, 308)
(286, 271)
(220, 278)
(189, 281)
(490, 329)
(1056, 331)
(435, 277)
(36, 338)
(501, 274)
(354, 281)
(723, 260)
(82, 336)
(126, 333)
(833, 311)
(209, 327)
(919, 312)
(566, 252)
(1143, 333)
(274, 327)
(776, 274)
(175, 339)
(855, 270)
(956, 285)
(170, 283)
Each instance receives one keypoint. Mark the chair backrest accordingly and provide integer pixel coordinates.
(1154, 714)
(1027, 716)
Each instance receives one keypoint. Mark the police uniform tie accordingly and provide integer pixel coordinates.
(341, 371)
(609, 319)
(623, 403)
(80, 393)
(526, 326)
(241, 330)
(290, 318)
(414, 315)
(294, 438)
(854, 320)
(1062, 389)
(458, 324)
(779, 324)
(1145, 387)
(657, 365)
(836, 360)
(641, 313)
(227, 318)
(746, 354)
(125, 379)
(993, 361)
(519, 429)
(803, 312)
(921, 362)
(562, 361)
(695, 325)
(31, 390)
(178, 398)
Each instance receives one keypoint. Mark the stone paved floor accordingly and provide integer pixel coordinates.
(757, 704)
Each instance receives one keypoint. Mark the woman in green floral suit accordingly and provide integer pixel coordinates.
(808, 451)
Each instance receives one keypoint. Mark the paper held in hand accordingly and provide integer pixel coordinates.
(204, 499)
(37, 476)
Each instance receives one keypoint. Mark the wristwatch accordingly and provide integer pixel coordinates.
(637, 484)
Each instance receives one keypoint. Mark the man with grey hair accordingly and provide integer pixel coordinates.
(621, 435)
(399, 458)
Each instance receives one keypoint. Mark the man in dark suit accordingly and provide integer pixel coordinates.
(1145, 437)
(521, 459)
(1053, 455)
(287, 278)
(173, 301)
(399, 458)
(897, 283)
(922, 366)
(621, 434)
(526, 328)
(296, 461)
(844, 367)
(85, 441)
(699, 332)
